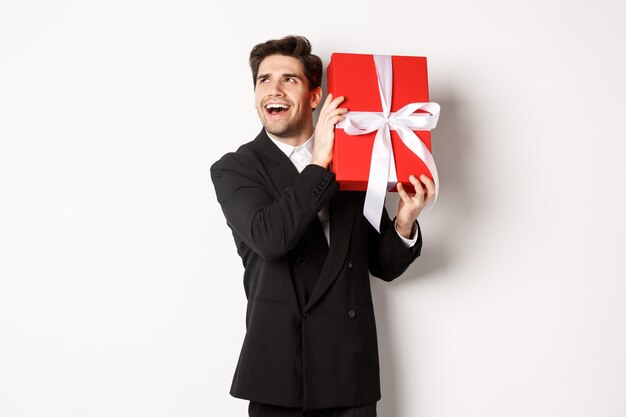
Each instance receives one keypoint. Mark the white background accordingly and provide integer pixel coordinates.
(120, 289)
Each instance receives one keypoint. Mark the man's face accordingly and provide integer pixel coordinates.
(282, 97)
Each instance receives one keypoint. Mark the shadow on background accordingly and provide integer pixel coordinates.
(441, 227)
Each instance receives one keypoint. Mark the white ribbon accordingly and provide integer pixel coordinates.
(382, 176)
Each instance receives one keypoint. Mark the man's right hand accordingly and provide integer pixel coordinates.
(330, 115)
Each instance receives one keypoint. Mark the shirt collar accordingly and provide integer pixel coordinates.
(289, 149)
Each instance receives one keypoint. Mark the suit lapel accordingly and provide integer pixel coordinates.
(342, 208)
(282, 173)
(279, 168)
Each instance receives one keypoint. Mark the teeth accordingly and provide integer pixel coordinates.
(276, 106)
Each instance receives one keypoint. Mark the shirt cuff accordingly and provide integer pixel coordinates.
(408, 242)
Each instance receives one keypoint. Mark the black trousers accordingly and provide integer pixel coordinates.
(256, 409)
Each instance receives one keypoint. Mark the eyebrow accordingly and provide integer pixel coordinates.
(262, 76)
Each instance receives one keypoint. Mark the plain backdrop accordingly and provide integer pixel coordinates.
(120, 289)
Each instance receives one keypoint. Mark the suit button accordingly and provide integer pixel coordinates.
(351, 314)
(300, 261)
(349, 264)
(305, 314)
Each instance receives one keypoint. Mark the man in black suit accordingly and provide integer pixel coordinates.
(310, 347)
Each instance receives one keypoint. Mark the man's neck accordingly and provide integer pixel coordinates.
(294, 140)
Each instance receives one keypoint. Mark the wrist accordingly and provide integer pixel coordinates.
(319, 162)
(405, 230)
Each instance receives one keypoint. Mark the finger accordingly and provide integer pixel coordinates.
(402, 193)
(330, 107)
(336, 119)
(339, 99)
(329, 98)
(430, 185)
(336, 112)
(336, 102)
(419, 190)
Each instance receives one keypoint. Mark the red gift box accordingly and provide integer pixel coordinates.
(354, 77)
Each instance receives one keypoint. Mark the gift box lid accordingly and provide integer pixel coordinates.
(354, 77)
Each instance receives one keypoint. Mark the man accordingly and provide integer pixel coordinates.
(310, 347)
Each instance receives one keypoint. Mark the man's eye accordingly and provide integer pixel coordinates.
(290, 80)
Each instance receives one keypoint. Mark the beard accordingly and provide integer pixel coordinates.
(284, 128)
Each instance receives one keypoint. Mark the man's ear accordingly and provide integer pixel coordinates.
(316, 97)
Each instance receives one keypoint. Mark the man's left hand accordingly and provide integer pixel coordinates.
(410, 206)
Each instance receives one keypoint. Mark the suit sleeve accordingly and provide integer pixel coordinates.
(389, 255)
(270, 226)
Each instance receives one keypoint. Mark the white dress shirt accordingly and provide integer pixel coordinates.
(301, 156)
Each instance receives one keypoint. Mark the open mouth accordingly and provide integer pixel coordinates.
(276, 109)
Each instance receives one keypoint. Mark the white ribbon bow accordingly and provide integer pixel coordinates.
(382, 176)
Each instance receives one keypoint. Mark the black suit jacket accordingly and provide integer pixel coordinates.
(321, 352)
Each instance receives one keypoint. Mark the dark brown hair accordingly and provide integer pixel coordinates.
(294, 46)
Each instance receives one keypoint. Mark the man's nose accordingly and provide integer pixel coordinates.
(276, 88)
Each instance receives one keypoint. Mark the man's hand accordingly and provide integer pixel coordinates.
(330, 115)
(410, 206)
